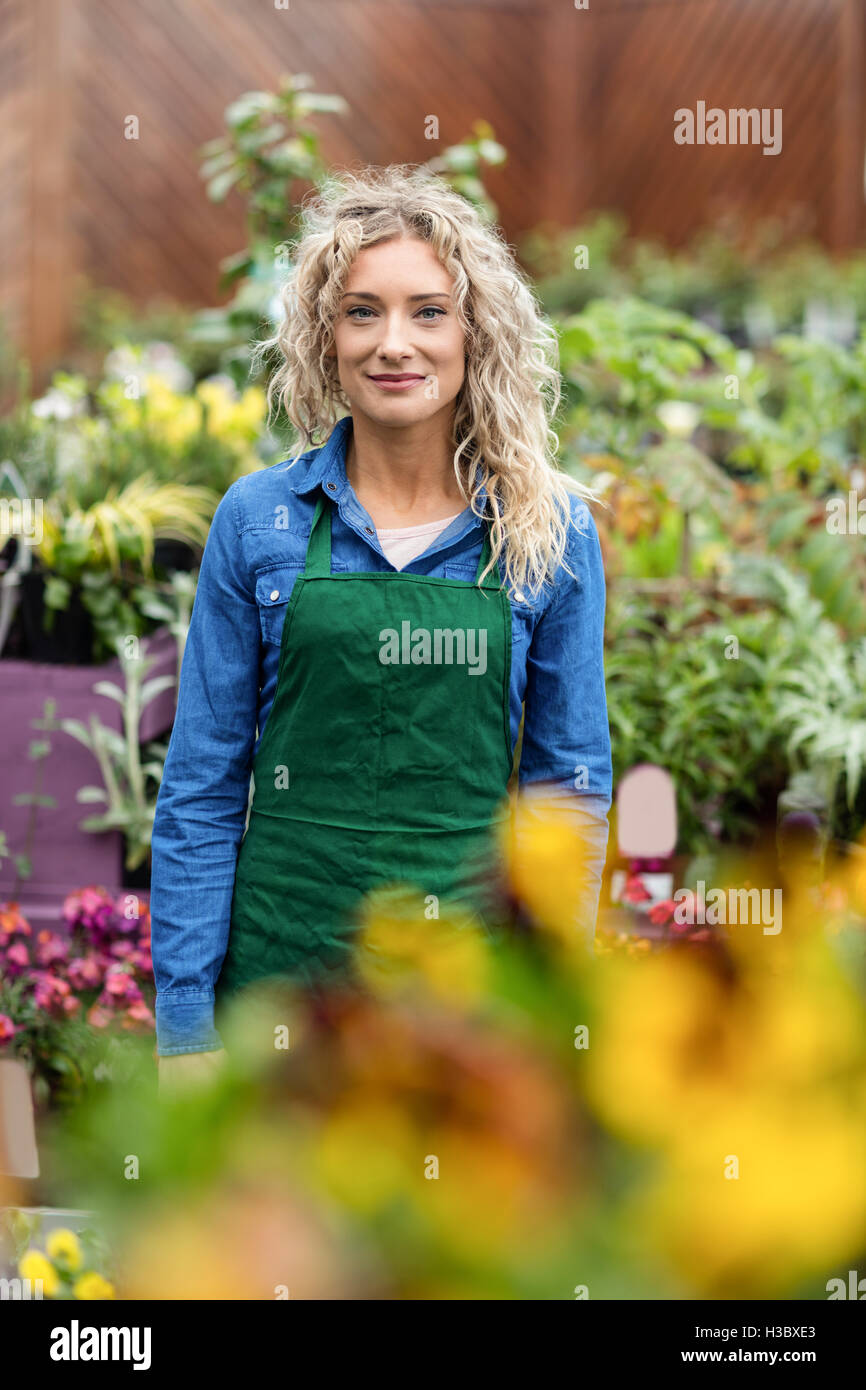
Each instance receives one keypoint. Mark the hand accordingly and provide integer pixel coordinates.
(188, 1069)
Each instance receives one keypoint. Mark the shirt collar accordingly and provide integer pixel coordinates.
(328, 465)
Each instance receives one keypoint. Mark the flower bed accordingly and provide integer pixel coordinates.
(68, 1001)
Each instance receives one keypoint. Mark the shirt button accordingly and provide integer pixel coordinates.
(275, 593)
(369, 530)
(332, 487)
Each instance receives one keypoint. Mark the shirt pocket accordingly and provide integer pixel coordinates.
(274, 588)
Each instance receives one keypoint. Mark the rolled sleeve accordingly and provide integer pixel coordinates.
(201, 807)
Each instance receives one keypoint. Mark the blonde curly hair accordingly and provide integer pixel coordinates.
(511, 391)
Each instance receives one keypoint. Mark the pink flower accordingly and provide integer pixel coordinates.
(12, 921)
(98, 1017)
(634, 891)
(120, 987)
(92, 912)
(84, 903)
(122, 950)
(143, 961)
(50, 949)
(7, 1028)
(85, 972)
(681, 927)
(662, 912)
(17, 959)
(139, 1017)
(51, 991)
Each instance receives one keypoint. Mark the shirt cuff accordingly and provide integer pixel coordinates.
(185, 1023)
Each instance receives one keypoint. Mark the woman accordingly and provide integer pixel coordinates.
(382, 607)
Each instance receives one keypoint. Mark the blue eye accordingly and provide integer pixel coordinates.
(365, 309)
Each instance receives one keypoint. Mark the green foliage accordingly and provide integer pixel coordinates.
(738, 726)
(130, 785)
(751, 279)
(676, 699)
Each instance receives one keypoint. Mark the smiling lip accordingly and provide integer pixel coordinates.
(400, 381)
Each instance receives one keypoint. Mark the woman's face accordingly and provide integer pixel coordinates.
(397, 340)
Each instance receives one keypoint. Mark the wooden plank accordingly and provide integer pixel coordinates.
(582, 100)
(848, 222)
(53, 25)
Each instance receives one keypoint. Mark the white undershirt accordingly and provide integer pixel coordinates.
(402, 544)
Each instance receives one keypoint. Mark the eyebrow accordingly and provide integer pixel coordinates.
(363, 294)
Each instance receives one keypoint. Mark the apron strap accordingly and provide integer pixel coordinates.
(318, 559)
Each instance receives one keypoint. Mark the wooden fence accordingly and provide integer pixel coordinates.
(583, 99)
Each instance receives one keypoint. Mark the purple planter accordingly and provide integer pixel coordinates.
(63, 857)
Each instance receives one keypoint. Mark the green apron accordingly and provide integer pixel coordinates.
(385, 759)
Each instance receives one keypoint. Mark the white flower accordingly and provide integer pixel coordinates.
(679, 417)
(153, 359)
(57, 405)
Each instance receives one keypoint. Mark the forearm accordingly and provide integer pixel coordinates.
(192, 881)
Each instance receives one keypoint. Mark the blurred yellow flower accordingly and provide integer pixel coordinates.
(64, 1246)
(227, 417)
(34, 1265)
(545, 858)
(368, 1154)
(489, 1198)
(747, 1070)
(762, 1194)
(239, 1241)
(92, 1285)
(174, 417)
(665, 1044)
(807, 1026)
(399, 945)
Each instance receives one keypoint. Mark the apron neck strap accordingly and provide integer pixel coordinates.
(318, 562)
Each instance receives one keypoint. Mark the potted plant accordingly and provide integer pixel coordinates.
(69, 1002)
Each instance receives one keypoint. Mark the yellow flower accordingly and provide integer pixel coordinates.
(545, 856)
(92, 1285)
(667, 1043)
(401, 944)
(228, 418)
(34, 1265)
(369, 1154)
(765, 1192)
(63, 1246)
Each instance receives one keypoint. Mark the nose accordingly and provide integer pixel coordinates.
(394, 342)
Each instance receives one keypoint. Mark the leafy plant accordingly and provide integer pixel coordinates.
(824, 704)
(37, 751)
(105, 550)
(130, 785)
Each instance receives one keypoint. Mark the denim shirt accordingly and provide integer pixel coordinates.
(254, 553)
